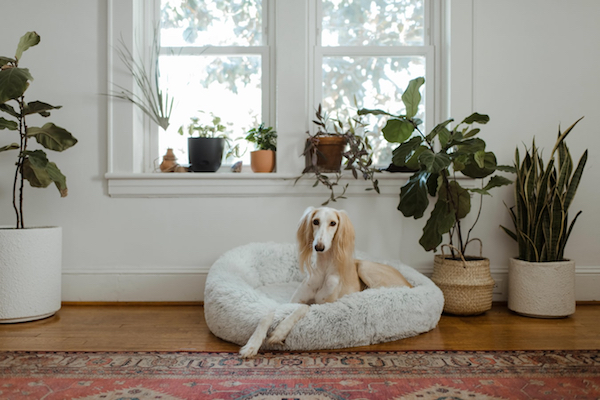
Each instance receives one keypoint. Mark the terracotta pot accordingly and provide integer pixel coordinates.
(541, 289)
(329, 153)
(262, 160)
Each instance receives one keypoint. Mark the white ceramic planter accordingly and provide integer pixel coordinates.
(30, 273)
(541, 290)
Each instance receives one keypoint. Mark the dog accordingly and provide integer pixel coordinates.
(325, 239)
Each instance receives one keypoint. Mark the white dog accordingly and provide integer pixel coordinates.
(328, 235)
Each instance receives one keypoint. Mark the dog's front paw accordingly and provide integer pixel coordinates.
(248, 351)
(276, 338)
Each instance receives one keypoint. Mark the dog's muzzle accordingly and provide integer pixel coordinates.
(319, 247)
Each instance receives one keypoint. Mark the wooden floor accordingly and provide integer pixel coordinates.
(182, 327)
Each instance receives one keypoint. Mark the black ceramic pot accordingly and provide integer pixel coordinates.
(205, 154)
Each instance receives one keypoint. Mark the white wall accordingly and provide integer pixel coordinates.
(534, 66)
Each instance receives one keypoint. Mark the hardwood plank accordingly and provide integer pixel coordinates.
(160, 327)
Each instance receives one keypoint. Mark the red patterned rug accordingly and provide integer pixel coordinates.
(338, 375)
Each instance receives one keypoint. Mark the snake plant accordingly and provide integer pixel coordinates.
(543, 195)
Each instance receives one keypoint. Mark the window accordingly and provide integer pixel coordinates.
(214, 61)
(369, 50)
(249, 61)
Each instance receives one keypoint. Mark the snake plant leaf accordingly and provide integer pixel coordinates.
(52, 137)
(413, 195)
(402, 153)
(13, 83)
(509, 232)
(412, 96)
(8, 124)
(38, 107)
(476, 117)
(27, 40)
(12, 146)
(439, 223)
(434, 162)
(397, 130)
(575, 179)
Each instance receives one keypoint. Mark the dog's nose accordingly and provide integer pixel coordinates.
(319, 247)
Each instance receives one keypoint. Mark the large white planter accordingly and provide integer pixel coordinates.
(541, 290)
(30, 273)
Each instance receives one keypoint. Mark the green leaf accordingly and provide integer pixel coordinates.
(58, 178)
(39, 108)
(434, 162)
(506, 168)
(472, 133)
(12, 146)
(497, 181)
(365, 111)
(476, 117)
(509, 233)
(37, 177)
(413, 195)
(413, 162)
(472, 145)
(440, 222)
(479, 157)
(397, 130)
(6, 60)
(52, 137)
(441, 130)
(9, 110)
(27, 40)
(37, 158)
(457, 197)
(402, 153)
(412, 97)
(13, 83)
(473, 170)
(7, 124)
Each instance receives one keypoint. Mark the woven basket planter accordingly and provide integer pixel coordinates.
(466, 283)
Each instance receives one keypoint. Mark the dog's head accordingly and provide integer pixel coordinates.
(324, 229)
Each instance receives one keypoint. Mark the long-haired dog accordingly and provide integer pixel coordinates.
(326, 252)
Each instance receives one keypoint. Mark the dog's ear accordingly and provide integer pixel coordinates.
(344, 237)
(305, 237)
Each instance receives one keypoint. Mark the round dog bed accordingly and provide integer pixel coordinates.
(247, 282)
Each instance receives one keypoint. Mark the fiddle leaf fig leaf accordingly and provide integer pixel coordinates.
(365, 111)
(13, 83)
(434, 162)
(12, 146)
(397, 130)
(439, 223)
(7, 124)
(37, 158)
(457, 197)
(473, 170)
(441, 130)
(402, 153)
(413, 195)
(9, 110)
(27, 40)
(39, 108)
(6, 60)
(58, 178)
(476, 117)
(52, 137)
(412, 97)
(37, 177)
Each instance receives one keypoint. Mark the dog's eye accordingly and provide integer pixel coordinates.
(316, 222)
(332, 223)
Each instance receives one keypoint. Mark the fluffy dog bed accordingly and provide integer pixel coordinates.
(247, 282)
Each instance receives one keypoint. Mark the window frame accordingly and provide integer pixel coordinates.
(291, 105)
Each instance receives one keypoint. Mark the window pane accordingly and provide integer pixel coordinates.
(226, 86)
(215, 23)
(373, 23)
(376, 82)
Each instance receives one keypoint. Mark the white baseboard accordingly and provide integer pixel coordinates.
(187, 284)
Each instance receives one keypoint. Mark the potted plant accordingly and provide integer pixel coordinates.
(30, 258)
(263, 158)
(206, 144)
(333, 142)
(541, 282)
(465, 280)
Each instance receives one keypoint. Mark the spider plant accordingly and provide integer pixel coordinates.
(543, 195)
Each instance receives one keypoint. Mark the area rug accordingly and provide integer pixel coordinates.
(317, 375)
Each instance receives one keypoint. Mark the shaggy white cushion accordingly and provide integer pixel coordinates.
(247, 282)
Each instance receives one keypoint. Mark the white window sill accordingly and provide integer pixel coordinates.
(244, 184)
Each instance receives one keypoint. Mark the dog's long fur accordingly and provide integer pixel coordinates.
(326, 252)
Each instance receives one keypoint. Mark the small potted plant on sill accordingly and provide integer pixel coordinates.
(265, 139)
(541, 282)
(333, 142)
(206, 144)
(465, 280)
(30, 258)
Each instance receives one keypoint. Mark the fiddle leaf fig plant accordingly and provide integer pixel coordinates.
(457, 151)
(31, 165)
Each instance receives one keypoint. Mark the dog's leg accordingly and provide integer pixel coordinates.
(285, 326)
(260, 333)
